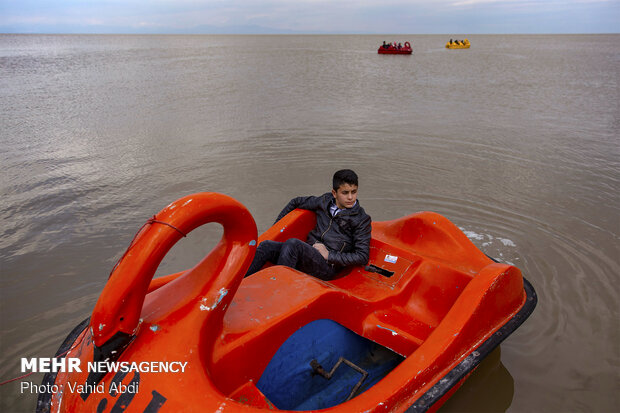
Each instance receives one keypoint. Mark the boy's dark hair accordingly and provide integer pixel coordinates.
(344, 176)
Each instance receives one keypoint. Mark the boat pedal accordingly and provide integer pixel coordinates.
(318, 369)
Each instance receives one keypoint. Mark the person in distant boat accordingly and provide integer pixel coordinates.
(340, 238)
(385, 45)
(400, 46)
(450, 41)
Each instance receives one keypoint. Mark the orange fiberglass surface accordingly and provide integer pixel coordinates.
(400, 334)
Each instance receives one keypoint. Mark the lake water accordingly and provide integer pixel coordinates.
(516, 140)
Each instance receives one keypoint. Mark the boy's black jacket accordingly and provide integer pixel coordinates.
(346, 236)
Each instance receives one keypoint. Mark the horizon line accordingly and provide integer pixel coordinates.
(301, 34)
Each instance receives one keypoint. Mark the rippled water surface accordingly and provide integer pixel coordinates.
(515, 140)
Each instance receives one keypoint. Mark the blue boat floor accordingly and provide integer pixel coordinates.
(289, 383)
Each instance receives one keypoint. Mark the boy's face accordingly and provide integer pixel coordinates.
(345, 196)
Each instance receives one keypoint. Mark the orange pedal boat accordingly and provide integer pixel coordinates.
(400, 334)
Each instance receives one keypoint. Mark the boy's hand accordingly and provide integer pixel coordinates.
(322, 249)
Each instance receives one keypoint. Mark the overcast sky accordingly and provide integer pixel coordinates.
(310, 16)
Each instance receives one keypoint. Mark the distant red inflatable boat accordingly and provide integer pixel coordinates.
(406, 49)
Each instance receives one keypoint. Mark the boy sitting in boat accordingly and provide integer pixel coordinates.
(340, 238)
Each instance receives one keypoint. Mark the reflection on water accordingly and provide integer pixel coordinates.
(490, 388)
(514, 140)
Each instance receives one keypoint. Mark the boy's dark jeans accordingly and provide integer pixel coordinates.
(293, 253)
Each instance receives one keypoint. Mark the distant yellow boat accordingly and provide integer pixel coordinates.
(458, 45)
